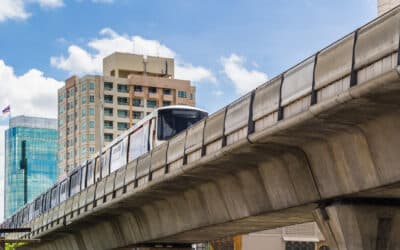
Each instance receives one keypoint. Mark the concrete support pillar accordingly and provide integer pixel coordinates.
(360, 227)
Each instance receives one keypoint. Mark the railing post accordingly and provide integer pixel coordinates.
(223, 128)
(250, 123)
(280, 108)
(314, 97)
(353, 74)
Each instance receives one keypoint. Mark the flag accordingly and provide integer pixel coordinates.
(6, 110)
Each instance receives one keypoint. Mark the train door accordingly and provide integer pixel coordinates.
(139, 142)
(97, 170)
(31, 210)
(38, 204)
(152, 133)
(83, 177)
(118, 155)
(106, 163)
(75, 183)
(54, 196)
(63, 190)
(90, 173)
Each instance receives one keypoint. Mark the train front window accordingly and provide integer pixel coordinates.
(173, 121)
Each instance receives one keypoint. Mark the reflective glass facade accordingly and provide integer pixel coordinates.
(41, 154)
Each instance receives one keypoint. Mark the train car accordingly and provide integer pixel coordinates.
(156, 128)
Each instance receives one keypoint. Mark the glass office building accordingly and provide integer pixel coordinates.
(35, 140)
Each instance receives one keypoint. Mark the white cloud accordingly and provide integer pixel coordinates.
(29, 94)
(12, 9)
(218, 92)
(49, 3)
(196, 74)
(81, 61)
(2, 129)
(16, 9)
(243, 79)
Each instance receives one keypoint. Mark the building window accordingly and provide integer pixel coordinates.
(137, 102)
(108, 112)
(83, 112)
(137, 88)
(166, 91)
(152, 90)
(91, 111)
(122, 126)
(83, 99)
(70, 92)
(61, 97)
(108, 98)
(108, 124)
(122, 88)
(91, 86)
(123, 101)
(83, 125)
(108, 137)
(122, 113)
(83, 151)
(91, 124)
(182, 94)
(191, 96)
(83, 87)
(83, 138)
(70, 105)
(91, 150)
(151, 103)
(91, 137)
(91, 98)
(108, 86)
(137, 115)
(166, 103)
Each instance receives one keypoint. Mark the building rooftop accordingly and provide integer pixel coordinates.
(123, 64)
(33, 122)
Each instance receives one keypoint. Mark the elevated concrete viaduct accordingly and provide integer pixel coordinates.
(319, 142)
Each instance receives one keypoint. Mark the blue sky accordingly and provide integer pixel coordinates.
(224, 47)
(266, 36)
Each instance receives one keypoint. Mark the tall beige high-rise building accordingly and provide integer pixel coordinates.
(131, 87)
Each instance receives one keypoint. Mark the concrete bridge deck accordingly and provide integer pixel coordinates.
(319, 142)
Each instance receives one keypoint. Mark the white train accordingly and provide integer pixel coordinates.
(151, 131)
